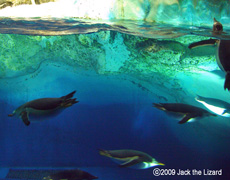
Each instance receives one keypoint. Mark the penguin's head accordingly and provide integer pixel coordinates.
(11, 115)
(151, 164)
(226, 113)
(217, 27)
(215, 109)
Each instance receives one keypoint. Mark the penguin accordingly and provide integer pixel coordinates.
(222, 54)
(76, 174)
(217, 106)
(189, 111)
(44, 107)
(217, 27)
(130, 158)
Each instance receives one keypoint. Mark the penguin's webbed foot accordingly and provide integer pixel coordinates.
(69, 102)
(25, 118)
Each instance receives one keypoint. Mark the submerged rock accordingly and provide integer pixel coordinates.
(105, 52)
(70, 175)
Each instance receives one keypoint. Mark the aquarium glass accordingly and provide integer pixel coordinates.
(123, 90)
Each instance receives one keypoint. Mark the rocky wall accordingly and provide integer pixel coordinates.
(192, 12)
(106, 52)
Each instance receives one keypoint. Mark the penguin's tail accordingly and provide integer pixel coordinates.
(68, 96)
(159, 106)
(67, 101)
(104, 153)
(227, 81)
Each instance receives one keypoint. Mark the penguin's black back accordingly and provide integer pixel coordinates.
(224, 54)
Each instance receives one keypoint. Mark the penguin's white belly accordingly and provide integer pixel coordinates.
(140, 165)
(216, 109)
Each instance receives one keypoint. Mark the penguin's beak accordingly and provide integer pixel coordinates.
(197, 99)
(161, 164)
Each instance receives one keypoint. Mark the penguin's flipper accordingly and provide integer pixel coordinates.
(227, 81)
(25, 118)
(203, 43)
(131, 162)
(186, 118)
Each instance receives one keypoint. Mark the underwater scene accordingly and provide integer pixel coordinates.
(114, 90)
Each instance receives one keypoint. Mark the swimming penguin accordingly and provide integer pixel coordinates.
(217, 106)
(222, 54)
(44, 106)
(71, 175)
(188, 111)
(131, 158)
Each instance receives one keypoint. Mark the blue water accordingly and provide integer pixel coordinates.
(114, 112)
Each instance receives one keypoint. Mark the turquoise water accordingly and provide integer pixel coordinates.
(67, 26)
(115, 98)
